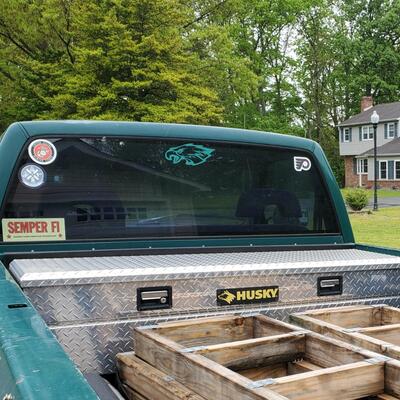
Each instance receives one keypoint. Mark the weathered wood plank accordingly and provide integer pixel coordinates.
(350, 336)
(205, 331)
(349, 317)
(386, 397)
(347, 382)
(392, 377)
(266, 326)
(327, 352)
(390, 315)
(149, 382)
(203, 376)
(257, 352)
(386, 333)
(132, 395)
(270, 371)
(301, 366)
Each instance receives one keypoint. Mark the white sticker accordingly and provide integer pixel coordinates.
(32, 176)
(302, 164)
(42, 152)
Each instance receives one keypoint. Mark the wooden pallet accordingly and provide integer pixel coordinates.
(252, 358)
(375, 328)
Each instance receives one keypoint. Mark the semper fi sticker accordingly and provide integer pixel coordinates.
(33, 229)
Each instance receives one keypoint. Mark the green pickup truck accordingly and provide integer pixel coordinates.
(106, 226)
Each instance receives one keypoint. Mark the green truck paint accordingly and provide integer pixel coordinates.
(33, 365)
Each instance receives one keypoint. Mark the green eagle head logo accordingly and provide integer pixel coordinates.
(191, 154)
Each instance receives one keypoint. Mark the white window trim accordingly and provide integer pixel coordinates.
(346, 131)
(379, 170)
(391, 124)
(360, 161)
(396, 178)
(368, 128)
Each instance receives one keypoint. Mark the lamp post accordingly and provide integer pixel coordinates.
(375, 121)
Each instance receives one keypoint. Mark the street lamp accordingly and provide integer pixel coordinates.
(375, 122)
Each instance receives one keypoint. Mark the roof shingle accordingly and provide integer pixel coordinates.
(387, 112)
(389, 149)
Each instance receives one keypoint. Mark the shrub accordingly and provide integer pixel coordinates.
(356, 199)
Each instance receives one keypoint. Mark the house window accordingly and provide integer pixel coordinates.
(346, 135)
(397, 169)
(383, 170)
(391, 130)
(362, 166)
(367, 132)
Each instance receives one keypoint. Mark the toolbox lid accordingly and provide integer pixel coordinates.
(88, 270)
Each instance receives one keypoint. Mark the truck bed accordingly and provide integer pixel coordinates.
(90, 303)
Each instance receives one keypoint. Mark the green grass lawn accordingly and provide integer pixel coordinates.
(381, 193)
(381, 228)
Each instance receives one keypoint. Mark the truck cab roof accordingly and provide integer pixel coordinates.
(149, 129)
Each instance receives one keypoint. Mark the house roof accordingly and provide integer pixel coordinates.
(391, 148)
(387, 112)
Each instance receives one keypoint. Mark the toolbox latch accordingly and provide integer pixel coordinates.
(330, 285)
(154, 298)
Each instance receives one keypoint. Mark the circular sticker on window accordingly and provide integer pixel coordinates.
(32, 176)
(42, 152)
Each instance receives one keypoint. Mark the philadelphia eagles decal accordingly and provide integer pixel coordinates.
(191, 154)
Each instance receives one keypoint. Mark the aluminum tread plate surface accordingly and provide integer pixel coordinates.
(90, 303)
(93, 346)
(91, 270)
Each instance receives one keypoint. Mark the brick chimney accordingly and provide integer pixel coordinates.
(366, 103)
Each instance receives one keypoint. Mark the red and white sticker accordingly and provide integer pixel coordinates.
(33, 229)
(42, 152)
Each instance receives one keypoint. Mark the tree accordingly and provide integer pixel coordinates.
(107, 60)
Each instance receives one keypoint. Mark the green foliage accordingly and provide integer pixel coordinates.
(356, 199)
(290, 66)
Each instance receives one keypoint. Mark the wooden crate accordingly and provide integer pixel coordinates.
(254, 358)
(375, 328)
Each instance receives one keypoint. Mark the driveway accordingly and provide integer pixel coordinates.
(386, 202)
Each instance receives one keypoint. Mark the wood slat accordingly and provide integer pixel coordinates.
(301, 366)
(149, 382)
(386, 333)
(257, 352)
(205, 331)
(386, 397)
(260, 373)
(347, 382)
(203, 376)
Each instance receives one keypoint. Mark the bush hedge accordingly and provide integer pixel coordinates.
(356, 199)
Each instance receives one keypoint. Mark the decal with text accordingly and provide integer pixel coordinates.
(33, 229)
(263, 294)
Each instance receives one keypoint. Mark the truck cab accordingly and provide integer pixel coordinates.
(106, 226)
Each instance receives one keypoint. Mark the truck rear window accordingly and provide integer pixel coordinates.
(110, 188)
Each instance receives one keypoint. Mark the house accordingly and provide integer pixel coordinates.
(356, 139)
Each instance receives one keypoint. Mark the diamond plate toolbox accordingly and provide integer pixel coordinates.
(91, 304)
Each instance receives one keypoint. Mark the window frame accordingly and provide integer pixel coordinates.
(346, 133)
(389, 125)
(396, 177)
(362, 167)
(380, 162)
(367, 132)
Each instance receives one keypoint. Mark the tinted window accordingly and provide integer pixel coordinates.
(120, 188)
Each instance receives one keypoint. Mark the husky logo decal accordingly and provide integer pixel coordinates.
(227, 296)
(302, 164)
(191, 154)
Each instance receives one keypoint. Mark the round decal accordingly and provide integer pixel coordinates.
(42, 152)
(32, 175)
